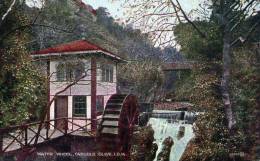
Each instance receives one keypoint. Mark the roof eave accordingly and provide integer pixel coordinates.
(79, 52)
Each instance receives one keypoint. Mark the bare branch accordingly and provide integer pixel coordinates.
(176, 12)
(231, 8)
(242, 11)
(203, 35)
(7, 12)
(243, 40)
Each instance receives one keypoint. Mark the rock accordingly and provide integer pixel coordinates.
(181, 132)
(153, 152)
(164, 155)
(143, 148)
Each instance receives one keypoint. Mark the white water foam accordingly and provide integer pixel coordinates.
(163, 129)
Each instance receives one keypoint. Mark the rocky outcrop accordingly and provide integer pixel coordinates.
(164, 155)
(181, 132)
(143, 148)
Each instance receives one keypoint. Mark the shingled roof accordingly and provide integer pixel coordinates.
(75, 47)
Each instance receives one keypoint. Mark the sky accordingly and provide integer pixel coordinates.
(116, 11)
(115, 8)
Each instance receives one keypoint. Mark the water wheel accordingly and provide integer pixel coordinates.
(119, 118)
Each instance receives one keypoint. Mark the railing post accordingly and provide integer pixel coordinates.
(47, 129)
(66, 125)
(72, 123)
(26, 135)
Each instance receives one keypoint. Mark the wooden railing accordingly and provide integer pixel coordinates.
(21, 136)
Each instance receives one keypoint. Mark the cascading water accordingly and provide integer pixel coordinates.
(164, 128)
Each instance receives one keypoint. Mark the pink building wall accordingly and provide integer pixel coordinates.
(82, 88)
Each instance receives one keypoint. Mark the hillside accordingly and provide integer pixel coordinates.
(65, 21)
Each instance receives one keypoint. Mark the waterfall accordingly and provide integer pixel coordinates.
(163, 129)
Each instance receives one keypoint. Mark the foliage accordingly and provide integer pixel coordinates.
(71, 22)
(196, 48)
(244, 90)
(63, 21)
(227, 18)
(144, 77)
(213, 140)
(207, 56)
(21, 87)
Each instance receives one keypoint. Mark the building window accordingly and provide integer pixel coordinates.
(107, 73)
(100, 104)
(78, 70)
(79, 106)
(69, 71)
(61, 72)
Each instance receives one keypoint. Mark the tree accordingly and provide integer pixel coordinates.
(21, 87)
(161, 17)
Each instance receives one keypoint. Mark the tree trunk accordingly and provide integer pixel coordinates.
(225, 80)
(257, 110)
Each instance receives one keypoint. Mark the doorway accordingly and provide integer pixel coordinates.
(61, 110)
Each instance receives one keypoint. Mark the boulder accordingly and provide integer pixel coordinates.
(143, 148)
(164, 155)
(181, 132)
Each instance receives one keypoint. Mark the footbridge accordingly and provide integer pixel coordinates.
(111, 132)
(15, 138)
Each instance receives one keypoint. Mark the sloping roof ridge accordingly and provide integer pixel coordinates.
(97, 46)
(72, 47)
(54, 47)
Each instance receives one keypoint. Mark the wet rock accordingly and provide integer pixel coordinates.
(164, 155)
(143, 148)
(181, 132)
(153, 152)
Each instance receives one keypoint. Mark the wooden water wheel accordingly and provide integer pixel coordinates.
(119, 118)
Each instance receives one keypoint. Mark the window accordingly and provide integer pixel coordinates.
(107, 73)
(100, 104)
(78, 70)
(79, 106)
(69, 71)
(60, 72)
